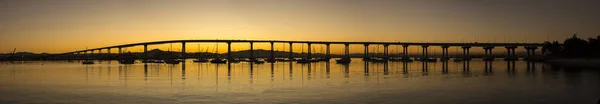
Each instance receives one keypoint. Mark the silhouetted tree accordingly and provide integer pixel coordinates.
(575, 46)
(594, 46)
(553, 48)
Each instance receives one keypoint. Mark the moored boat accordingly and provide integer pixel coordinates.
(172, 61)
(218, 61)
(200, 60)
(128, 61)
(87, 62)
(343, 61)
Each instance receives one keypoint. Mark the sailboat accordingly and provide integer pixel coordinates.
(444, 58)
(456, 59)
(377, 58)
(126, 58)
(431, 59)
(218, 59)
(395, 59)
(322, 55)
(201, 59)
(170, 59)
(344, 60)
(303, 60)
(282, 59)
(85, 62)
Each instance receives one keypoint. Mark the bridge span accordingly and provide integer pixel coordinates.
(530, 47)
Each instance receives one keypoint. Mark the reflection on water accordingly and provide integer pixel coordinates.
(281, 82)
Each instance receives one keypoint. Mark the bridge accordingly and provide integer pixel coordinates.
(530, 47)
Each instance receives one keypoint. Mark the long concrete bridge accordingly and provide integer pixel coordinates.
(530, 47)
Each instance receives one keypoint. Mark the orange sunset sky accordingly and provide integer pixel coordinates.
(56, 26)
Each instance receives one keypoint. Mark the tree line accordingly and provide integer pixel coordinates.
(573, 47)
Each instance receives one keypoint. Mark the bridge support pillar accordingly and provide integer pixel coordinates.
(272, 55)
(425, 53)
(533, 51)
(366, 52)
(183, 50)
(405, 52)
(513, 52)
(347, 51)
(488, 53)
(510, 53)
(228, 51)
(100, 55)
(466, 53)
(145, 52)
(120, 51)
(92, 55)
(445, 55)
(109, 55)
(291, 57)
(328, 52)
(252, 51)
(309, 51)
(385, 52)
(530, 51)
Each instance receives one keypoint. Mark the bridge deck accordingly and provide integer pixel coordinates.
(315, 42)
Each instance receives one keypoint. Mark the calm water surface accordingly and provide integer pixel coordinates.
(500, 82)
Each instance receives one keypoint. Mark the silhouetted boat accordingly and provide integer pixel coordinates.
(235, 60)
(343, 61)
(280, 59)
(128, 61)
(444, 59)
(378, 60)
(467, 58)
(303, 61)
(511, 58)
(314, 60)
(458, 59)
(322, 59)
(488, 58)
(418, 59)
(407, 59)
(87, 62)
(218, 61)
(259, 61)
(200, 60)
(127, 58)
(288, 60)
(394, 59)
(271, 60)
(431, 59)
(152, 61)
(172, 61)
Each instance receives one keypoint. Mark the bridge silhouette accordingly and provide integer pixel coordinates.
(530, 47)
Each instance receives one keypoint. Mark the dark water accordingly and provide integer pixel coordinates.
(284, 82)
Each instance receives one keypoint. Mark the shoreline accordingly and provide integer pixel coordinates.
(574, 62)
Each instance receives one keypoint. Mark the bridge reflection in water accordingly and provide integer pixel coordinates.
(291, 73)
(281, 82)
